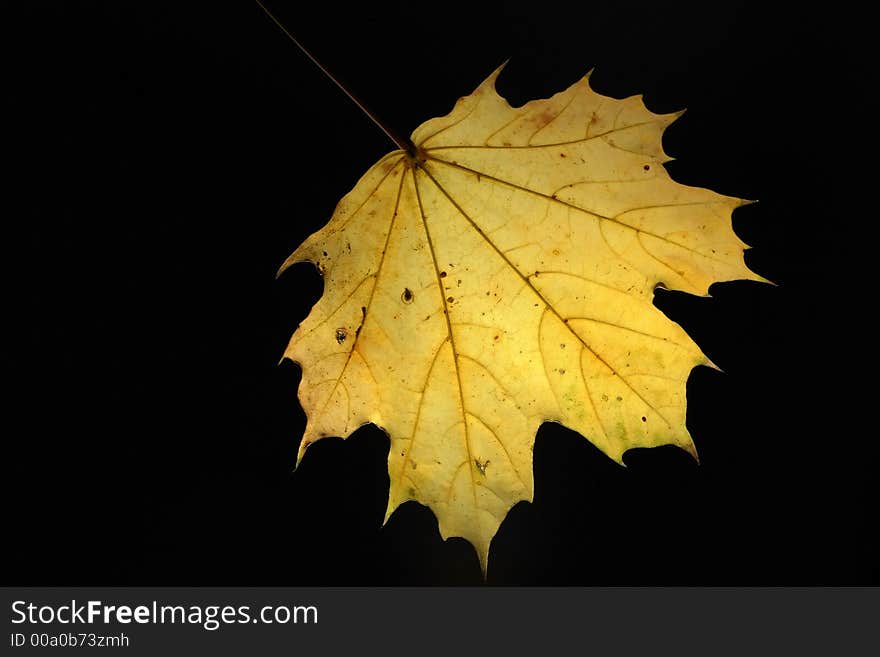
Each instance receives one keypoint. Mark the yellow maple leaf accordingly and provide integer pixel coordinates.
(498, 276)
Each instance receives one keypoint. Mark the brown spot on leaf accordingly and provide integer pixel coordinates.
(407, 296)
(544, 117)
(341, 335)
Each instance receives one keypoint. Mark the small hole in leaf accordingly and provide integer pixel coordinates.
(644, 419)
(647, 167)
(341, 334)
(407, 295)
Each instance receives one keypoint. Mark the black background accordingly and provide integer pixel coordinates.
(167, 158)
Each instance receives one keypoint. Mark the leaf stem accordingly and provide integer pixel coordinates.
(402, 143)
